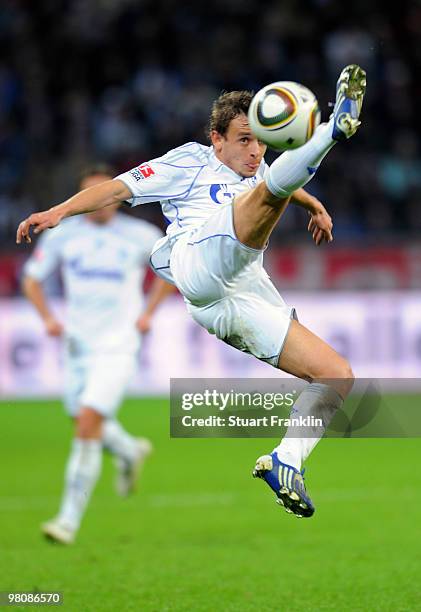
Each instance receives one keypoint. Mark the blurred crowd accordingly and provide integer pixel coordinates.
(125, 80)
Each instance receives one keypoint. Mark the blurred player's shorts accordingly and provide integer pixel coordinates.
(98, 381)
(227, 290)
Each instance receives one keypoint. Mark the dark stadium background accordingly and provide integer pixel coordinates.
(122, 81)
(125, 81)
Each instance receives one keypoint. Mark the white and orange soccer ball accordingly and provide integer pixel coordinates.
(284, 115)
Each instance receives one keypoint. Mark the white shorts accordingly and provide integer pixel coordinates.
(227, 290)
(97, 381)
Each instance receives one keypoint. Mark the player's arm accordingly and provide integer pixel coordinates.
(34, 292)
(320, 224)
(88, 200)
(160, 290)
(306, 200)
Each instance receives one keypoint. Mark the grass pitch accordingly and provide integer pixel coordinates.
(201, 534)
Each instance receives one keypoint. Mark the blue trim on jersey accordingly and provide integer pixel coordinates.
(154, 267)
(112, 275)
(168, 201)
(177, 153)
(177, 218)
(177, 156)
(213, 236)
(194, 180)
(157, 197)
(174, 165)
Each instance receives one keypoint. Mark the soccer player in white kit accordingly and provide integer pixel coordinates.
(222, 203)
(103, 258)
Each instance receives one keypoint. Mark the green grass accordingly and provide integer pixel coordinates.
(201, 534)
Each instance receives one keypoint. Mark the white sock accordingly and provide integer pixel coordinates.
(82, 472)
(295, 168)
(118, 441)
(318, 400)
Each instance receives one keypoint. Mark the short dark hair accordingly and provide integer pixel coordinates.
(227, 107)
(96, 168)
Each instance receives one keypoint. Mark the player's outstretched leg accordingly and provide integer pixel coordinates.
(350, 90)
(258, 211)
(287, 482)
(293, 169)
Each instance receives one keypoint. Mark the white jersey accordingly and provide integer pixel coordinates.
(190, 183)
(103, 267)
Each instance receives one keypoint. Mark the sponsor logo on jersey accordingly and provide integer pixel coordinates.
(77, 267)
(221, 194)
(142, 172)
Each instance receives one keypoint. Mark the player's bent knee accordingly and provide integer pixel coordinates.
(341, 368)
(89, 424)
(338, 375)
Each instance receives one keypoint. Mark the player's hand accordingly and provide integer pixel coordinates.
(144, 323)
(39, 221)
(53, 327)
(320, 225)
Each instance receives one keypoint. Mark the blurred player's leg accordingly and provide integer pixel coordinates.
(129, 452)
(82, 472)
(99, 381)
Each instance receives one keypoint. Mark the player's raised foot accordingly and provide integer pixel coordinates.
(350, 90)
(57, 530)
(129, 471)
(287, 483)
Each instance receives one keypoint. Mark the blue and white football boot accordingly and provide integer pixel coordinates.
(350, 90)
(288, 484)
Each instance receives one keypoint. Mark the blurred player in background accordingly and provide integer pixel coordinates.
(223, 202)
(103, 258)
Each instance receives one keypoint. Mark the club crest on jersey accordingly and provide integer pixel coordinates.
(221, 194)
(142, 172)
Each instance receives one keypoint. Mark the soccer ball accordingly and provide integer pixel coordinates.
(284, 115)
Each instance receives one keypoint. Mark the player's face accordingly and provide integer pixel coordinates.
(103, 215)
(239, 149)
